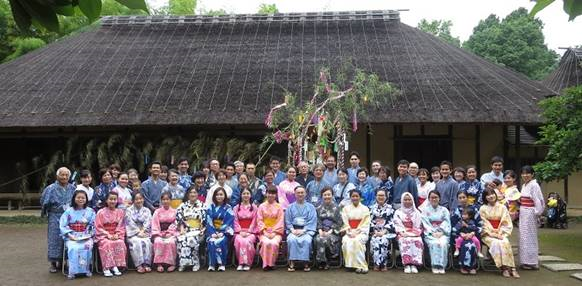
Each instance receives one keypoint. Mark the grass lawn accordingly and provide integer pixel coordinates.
(565, 243)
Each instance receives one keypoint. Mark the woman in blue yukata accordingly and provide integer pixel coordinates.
(77, 226)
(436, 222)
(55, 199)
(219, 230)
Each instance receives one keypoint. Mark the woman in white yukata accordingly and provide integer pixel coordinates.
(531, 207)
(436, 222)
(356, 219)
(138, 221)
(408, 226)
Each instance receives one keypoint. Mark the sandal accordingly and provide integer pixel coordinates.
(160, 269)
(464, 271)
(290, 269)
(306, 268)
(514, 273)
(147, 269)
(376, 268)
(140, 269)
(171, 268)
(384, 269)
(359, 271)
(326, 267)
(505, 273)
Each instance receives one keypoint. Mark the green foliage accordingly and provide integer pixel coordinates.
(182, 7)
(562, 132)
(572, 7)
(25, 45)
(516, 42)
(440, 29)
(268, 9)
(45, 13)
(219, 12)
(113, 8)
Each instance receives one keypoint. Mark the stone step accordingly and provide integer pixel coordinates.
(563, 266)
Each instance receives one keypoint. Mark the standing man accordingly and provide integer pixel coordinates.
(330, 173)
(403, 183)
(496, 171)
(239, 168)
(254, 182)
(303, 178)
(184, 179)
(275, 164)
(214, 167)
(447, 187)
(152, 187)
(55, 199)
(354, 167)
(374, 178)
(413, 171)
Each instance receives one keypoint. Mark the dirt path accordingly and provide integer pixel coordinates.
(23, 262)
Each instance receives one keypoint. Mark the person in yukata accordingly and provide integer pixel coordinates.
(138, 230)
(301, 224)
(54, 200)
(77, 226)
(271, 228)
(152, 187)
(110, 236)
(219, 230)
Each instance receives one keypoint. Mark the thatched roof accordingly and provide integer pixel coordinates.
(568, 73)
(154, 71)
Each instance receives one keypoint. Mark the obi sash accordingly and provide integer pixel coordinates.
(408, 224)
(495, 223)
(175, 203)
(270, 221)
(526, 202)
(110, 227)
(436, 223)
(217, 223)
(471, 200)
(354, 223)
(193, 223)
(79, 227)
(245, 223)
(326, 224)
(290, 197)
(421, 200)
(164, 225)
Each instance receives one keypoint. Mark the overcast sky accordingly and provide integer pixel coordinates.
(465, 14)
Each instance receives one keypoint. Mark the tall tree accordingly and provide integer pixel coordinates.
(182, 7)
(268, 9)
(441, 29)
(562, 132)
(516, 42)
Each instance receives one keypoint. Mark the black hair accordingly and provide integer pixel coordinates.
(496, 159)
(251, 200)
(510, 173)
(73, 204)
(423, 170)
(403, 162)
(434, 192)
(362, 170)
(102, 172)
(354, 153)
(156, 163)
(220, 189)
(187, 195)
(135, 193)
(343, 170)
(355, 191)
(85, 173)
(271, 189)
(463, 192)
(386, 170)
(274, 158)
(229, 164)
(115, 166)
(488, 192)
(174, 171)
(445, 162)
(469, 211)
(182, 159)
(528, 170)
(197, 175)
(325, 189)
(164, 194)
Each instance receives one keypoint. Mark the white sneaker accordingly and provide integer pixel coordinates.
(211, 268)
(435, 271)
(246, 268)
(195, 268)
(413, 269)
(480, 255)
(221, 268)
(456, 253)
(240, 268)
(116, 271)
(407, 269)
(107, 273)
(181, 268)
(442, 271)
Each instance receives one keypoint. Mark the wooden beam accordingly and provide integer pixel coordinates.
(478, 147)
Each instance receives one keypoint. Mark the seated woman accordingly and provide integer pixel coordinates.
(245, 229)
(497, 228)
(467, 245)
(77, 228)
(329, 222)
(110, 236)
(356, 221)
(219, 229)
(190, 218)
(301, 223)
(436, 221)
(138, 220)
(381, 230)
(408, 226)
(164, 235)
(270, 221)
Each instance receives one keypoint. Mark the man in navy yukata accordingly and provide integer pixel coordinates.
(354, 167)
(447, 187)
(403, 183)
(184, 179)
(152, 187)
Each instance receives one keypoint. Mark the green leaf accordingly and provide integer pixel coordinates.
(540, 5)
(573, 8)
(91, 8)
(43, 14)
(67, 10)
(134, 4)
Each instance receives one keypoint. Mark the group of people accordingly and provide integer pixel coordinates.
(317, 213)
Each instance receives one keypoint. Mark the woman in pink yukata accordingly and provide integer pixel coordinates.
(110, 236)
(245, 229)
(164, 234)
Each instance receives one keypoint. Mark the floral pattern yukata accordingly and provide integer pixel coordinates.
(436, 220)
(328, 220)
(190, 216)
(409, 221)
(164, 236)
(55, 199)
(270, 220)
(245, 219)
(140, 247)
(79, 223)
(219, 219)
(111, 251)
(381, 222)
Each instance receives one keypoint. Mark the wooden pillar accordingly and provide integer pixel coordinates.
(566, 189)
(368, 146)
(478, 147)
(505, 145)
(518, 149)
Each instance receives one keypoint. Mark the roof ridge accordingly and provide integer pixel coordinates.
(386, 15)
